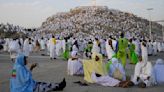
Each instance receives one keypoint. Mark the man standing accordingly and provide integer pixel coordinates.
(52, 47)
(122, 45)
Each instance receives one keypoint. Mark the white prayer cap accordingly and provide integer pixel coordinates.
(74, 54)
(159, 61)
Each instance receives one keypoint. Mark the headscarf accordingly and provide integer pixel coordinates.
(115, 64)
(159, 61)
(21, 80)
(74, 54)
(158, 72)
(92, 65)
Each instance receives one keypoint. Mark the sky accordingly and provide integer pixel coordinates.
(31, 13)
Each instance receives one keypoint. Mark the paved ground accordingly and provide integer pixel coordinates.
(54, 71)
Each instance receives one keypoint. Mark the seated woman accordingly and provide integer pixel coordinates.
(94, 65)
(22, 81)
(143, 74)
(74, 65)
(116, 70)
(158, 72)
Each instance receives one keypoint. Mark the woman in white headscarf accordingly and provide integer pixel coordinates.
(158, 71)
(74, 65)
(143, 74)
(109, 49)
(114, 67)
(96, 48)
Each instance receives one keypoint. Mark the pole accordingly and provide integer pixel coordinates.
(163, 32)
(150, 35)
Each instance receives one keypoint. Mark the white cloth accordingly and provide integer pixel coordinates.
(74, 67)
(154, 48)
(63, 45)
(52, 49)
(58, 47)
(14, 48)
(158, 71)
(109, 50)
(31, 47)
(143, 70)
(150, 48)
(74, 48)
(159, 46)
(115, 64)
(103, 49)
(95, 47)
(144, 53)
(26, 47)
(114, 43)
(43, 45)
(137, 47)
(105, 80)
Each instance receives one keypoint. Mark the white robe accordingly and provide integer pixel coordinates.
(144, 53)
(137, 49)
(114, 43)
(58, 47)
(48, 47)
(150, 48)
(63, 45)
(52, 49)
(109, 50)
(74, 67)
(26, 47)
(95, 48)
(14, 49)
(159, 46)
(143, 70)
(154, 48)
(42, 43)
(6, 45)
(74, 48)
(102, 44)
(105, 80)
(158, 71)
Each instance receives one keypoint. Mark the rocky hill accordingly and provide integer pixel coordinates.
(100, 20)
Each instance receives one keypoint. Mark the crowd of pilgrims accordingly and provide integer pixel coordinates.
(101, 61)
(97, 20)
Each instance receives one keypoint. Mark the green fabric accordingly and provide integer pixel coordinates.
(134, 58)
(66, 53)
(132, 55)
(89, 47)
(108, 65)
(121, 54)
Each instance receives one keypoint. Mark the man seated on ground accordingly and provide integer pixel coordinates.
(143, 74)
(22, 81)
(94, 65)
(74, 65)
(158, 72)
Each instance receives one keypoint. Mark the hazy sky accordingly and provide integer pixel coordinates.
(31, 13)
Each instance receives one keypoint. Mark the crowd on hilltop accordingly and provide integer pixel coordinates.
(97, 20)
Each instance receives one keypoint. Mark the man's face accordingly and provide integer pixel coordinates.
(140, 59)
(97, 58)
